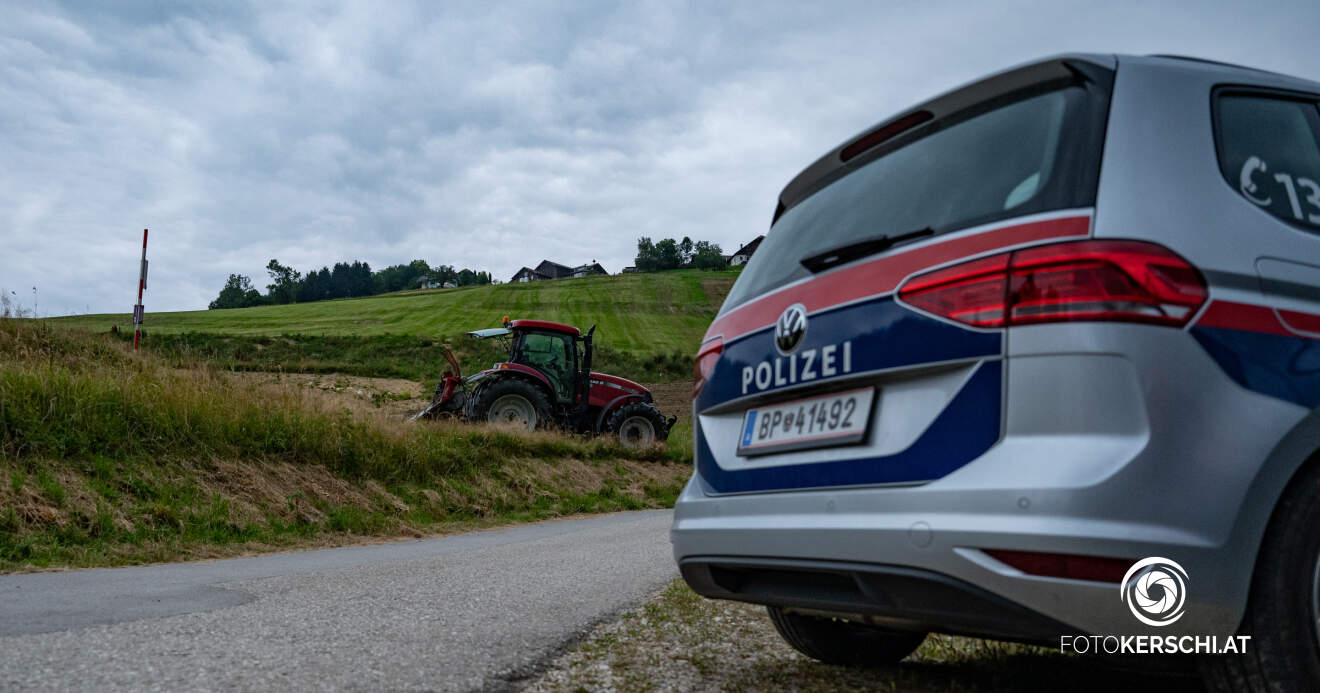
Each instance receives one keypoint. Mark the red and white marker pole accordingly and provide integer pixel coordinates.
(142, 284)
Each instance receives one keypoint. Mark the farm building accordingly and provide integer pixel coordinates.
(745, 253)
(588, 269)
(527, 274)
(554, 270)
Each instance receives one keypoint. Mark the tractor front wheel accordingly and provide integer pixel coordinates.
(638, 425)
(512, 402)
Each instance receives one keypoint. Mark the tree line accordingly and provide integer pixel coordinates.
(668, 254)
(344, 280)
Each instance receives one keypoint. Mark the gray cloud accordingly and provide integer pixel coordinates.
(478, 135)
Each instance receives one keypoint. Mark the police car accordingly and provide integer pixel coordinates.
(999, 349)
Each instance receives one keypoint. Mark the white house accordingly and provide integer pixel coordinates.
(745, 253)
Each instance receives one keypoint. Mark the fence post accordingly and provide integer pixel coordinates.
(142, 284)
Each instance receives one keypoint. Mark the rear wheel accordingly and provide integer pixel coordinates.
(638, 425)
(512, 402)
(1283, 609)
(836, 641)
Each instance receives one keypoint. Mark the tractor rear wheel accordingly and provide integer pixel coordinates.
(638, 425)
(512, 402)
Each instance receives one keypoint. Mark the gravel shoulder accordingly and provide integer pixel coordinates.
(679, 641)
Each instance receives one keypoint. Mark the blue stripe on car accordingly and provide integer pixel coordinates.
(1279, 366)
(884, 334)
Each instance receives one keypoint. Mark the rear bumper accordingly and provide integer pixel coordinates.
(944, 533)
(891, 596)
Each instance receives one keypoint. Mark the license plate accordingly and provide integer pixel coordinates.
(838, 418)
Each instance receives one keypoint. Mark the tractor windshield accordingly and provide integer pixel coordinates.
(553, 355)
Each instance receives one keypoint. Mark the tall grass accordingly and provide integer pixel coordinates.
(69, 395)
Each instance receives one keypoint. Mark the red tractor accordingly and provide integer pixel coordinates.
(548, 381)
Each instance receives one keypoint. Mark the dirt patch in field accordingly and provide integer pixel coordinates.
(717, 288)
(392, 398)
(673, 399)
(399, 399)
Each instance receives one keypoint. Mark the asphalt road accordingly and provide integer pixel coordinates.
(474, 611)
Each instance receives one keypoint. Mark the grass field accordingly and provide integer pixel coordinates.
(638, 313)
(413, 357)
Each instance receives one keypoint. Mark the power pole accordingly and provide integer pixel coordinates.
(142, 284)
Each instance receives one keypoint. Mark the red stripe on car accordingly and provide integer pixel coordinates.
(882, 275)
(1254, 318)
(1302, 322)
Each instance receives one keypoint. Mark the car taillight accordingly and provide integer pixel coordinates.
(706, 358)
(1071, 567)
(1125, 281)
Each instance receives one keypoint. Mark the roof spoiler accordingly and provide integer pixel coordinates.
(864, 147)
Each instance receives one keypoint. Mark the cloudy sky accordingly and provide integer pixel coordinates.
(487, 135)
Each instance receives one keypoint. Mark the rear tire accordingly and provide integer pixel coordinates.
(835, 641)
(1283, 609)
(512, 402)
(638, 425)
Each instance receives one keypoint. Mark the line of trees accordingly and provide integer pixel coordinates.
(668, 254)
(344, 280)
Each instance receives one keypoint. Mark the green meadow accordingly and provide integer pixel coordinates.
(639, 313)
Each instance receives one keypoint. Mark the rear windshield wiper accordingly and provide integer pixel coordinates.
(860, 249)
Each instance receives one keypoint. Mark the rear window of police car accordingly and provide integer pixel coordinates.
(1269, 151)
(1033, 155)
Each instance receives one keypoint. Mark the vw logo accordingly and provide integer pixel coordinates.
(791, 328)
(1155, 589)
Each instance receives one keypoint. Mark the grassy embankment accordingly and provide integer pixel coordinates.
(108, 458)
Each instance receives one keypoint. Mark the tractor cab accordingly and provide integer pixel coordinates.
(553, 350)
(556, 355)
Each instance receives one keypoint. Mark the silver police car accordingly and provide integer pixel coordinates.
(1037, 359)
